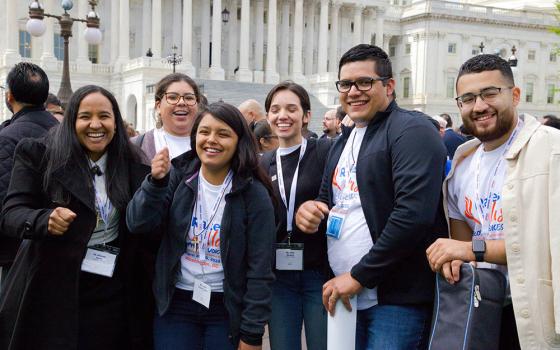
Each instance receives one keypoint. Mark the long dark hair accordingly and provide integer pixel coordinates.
(245, 162)
(63, 148)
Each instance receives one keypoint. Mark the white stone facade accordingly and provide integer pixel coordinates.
(266, 41)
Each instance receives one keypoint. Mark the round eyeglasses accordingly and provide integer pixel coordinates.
(173, 98)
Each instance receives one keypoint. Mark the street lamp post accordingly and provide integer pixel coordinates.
(174, 59)
(36, 27)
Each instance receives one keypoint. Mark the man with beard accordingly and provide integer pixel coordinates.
(331, 124)
(27, 90)
(502, 197)
(252, 111)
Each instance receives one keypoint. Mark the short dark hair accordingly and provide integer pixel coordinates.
(262, 129)
(484, 63)
(28, 83)
(340, 113)
(447, 119)
(163, 84)
(365, 52)
(297, 89)
(552, 121)
(52, 100)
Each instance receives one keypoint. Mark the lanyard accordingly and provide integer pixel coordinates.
(104, 207)
(350, 163)
(289, 206)
(480, 207)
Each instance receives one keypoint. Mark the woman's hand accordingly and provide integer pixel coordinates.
(245, 346)
(59, 220)
(161, 164)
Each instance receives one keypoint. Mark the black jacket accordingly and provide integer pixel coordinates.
(246, 242)
(310, 171)
(400, 169)
(39, 301)
(29, 122)
(452, 140)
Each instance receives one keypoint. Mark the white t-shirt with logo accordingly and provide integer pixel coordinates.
(355, 238)
(177, 145)
(206, 264)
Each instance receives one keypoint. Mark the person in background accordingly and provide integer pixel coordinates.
(75, 283)
(551, 120)
(130, 131)
(331, 124)
(253, 112)
(308, 134)
(451, 139)
(294, 169)
(441, 124)
(176, 104)
(54, 106)
(27, 88)
(214, 268)
(266, 139)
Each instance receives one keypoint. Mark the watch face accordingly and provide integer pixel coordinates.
(478, 245)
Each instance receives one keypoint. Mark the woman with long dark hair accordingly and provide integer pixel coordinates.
(301, 259)
(73, 284)
(213, 269)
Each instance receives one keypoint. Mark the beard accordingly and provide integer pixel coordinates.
(8, 104)
(503, 124)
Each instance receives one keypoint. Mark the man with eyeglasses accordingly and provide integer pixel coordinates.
(381, 197)
(502, 201)
(331, 124)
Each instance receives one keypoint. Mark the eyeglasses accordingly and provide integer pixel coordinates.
(362, 84)
(488, 94)
(173, 98)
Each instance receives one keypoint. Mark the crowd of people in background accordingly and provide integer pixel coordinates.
(224, 220)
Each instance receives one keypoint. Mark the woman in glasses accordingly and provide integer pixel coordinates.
(296, 169)
(214, 267)
(177, 97)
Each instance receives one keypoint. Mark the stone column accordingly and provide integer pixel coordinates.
(368, 25)
(333, 53)
(259, 41)
(216, 72)
(310, 38)
(146, 26)
(205, 39)
(358, 31)
(156, 28)
(285, 40)
(323, 37)
(48, 37)
(115, 30)
(271, 75)
(231, 41)
(82, 58)
(124, 31)
(177, 23)
(11, 31)
(244, 74)
(187, 38)
(297, 73)
(379, 13)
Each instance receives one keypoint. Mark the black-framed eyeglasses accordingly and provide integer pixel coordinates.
(362, 84)
(173, 98)
(488, 94)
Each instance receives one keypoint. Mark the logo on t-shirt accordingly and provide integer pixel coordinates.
(493, 220)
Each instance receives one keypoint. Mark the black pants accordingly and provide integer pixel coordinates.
(509, 340)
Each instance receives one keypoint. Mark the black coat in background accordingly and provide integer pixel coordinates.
(39, 302)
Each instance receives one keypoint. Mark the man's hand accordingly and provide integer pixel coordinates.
(451, 271)
(341, 287)
(445, 250)
(59, 220)
(310, 214)
(245, 346)
(161, 164)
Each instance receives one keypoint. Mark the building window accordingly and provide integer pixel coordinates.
(552, 57)
(451, 48)
(24, 44)
(392, 50)
(475, 50)
(529, 92)
(531, 55)
(406, 87)
(93, 53)
(450, 87)
(407, 48)
(58, 47)
(551, 89)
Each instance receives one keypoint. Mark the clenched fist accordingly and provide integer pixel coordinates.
(59, 220)
(161, 164)
(310, 214)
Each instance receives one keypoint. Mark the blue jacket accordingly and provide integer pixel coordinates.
(400, 170)
(246, 242)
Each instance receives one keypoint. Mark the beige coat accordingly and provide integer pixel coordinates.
(531, 206)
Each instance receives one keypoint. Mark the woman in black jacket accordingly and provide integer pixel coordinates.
(73, 284)
(213, 270)
(296, 169)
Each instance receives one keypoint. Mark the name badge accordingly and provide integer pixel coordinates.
(336, 218)
(100, 260)
(201, 293)
(289, 256)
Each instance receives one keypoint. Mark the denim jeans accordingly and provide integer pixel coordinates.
(393, 327)
(297, 299)
(187, 325)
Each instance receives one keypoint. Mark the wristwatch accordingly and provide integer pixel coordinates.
(479, 248)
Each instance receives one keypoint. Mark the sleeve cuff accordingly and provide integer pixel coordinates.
(251, 339)
(159, 182)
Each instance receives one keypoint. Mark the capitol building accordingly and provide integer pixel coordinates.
(232, 46)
